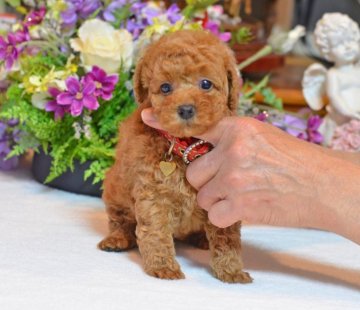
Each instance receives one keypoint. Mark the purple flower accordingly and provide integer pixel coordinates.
(9, 52)
(109, 12)
(8, 137)
(173, 13)
(294, 125)
(79, 94)
(214, 28)
(262, 117)
(134, 27)
(3, 127)
(21, 35)
(78, 9)
(150, 13)
(53, 106)
(302, 126)
(69, 17)
(10, 163)
(104, 84)
(311, 133)
(142, 15)
(35, 17)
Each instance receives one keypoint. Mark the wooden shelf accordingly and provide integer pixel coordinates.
(286, 81)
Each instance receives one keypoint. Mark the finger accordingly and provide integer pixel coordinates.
(222, 214)
(210, 194)
(203, 169)
(149, 118)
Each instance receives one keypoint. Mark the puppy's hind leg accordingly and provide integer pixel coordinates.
(122, 226)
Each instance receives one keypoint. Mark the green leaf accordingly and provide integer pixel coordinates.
(14, 3)
(271, 99)
(256, 87)
(241, 36)
(62, 159)
(97, 170)
(194, 6)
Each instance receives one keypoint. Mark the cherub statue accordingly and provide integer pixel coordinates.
(338, 38)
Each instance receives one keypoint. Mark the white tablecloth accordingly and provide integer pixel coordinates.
(49, 260)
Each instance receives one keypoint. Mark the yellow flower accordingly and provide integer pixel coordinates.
(162, 25)
(56, 7)
(70, 68)
(101, 45)
(38, 84)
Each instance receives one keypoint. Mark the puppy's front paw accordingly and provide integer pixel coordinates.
(166, 273)
(116, 243)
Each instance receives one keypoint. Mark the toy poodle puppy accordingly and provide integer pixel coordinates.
(191, 81)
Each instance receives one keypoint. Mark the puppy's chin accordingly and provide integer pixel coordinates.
(184, 128)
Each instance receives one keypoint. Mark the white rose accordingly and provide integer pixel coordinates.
(101, 45)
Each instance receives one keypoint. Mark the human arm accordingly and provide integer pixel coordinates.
(259, 174)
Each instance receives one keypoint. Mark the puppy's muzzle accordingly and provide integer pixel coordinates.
(186, 111)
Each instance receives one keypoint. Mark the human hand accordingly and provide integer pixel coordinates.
(260, 174)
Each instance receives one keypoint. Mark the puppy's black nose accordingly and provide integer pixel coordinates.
(186, 111)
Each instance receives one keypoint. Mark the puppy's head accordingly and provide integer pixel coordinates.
(190, 79)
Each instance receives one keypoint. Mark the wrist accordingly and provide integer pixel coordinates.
(339, 199)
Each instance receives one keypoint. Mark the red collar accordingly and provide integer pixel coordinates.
(187, 148)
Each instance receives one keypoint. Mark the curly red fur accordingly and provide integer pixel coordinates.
(147, 209)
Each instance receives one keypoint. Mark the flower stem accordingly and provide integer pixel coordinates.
(266, 50)
(43, 44)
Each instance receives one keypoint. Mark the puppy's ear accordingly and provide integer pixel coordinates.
(140, 85)
(234, 79)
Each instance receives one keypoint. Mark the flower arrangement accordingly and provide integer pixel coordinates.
(303, 124)
(69, 64)
(66, 72)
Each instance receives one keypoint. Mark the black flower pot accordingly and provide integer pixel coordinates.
(70, 181)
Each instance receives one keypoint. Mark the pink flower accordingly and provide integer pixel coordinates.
(347, 137)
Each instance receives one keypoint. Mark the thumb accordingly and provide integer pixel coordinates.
(149, 118)
(214, 134)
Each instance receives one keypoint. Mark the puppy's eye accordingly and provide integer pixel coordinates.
(206, 84)
(165, 88)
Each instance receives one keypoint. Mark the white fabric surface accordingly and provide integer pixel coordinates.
(49, 260)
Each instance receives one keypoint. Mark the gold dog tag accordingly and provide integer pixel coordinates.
(167, 167)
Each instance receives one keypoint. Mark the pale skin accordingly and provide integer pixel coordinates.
(261, 175)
